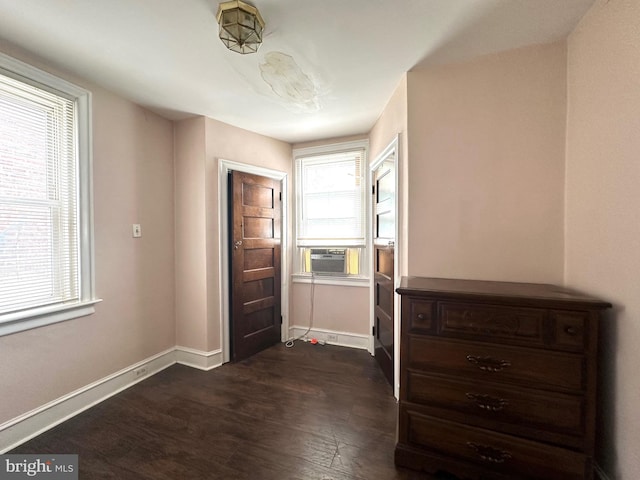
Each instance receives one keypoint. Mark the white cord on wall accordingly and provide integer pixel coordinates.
(291, 341)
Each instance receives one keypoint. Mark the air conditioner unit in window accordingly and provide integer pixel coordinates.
(328, 260)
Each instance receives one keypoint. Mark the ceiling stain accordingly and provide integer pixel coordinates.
(287, 80)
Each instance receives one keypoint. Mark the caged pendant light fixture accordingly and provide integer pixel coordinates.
(241, 26)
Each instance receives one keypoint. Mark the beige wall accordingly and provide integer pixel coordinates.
(602, 212)
(392, 122)
(190, 234)
(200, 143)
(342, 309)
(486, 167)
(133, 183)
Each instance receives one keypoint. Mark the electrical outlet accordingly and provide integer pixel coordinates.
(332, 337)
(140, 372)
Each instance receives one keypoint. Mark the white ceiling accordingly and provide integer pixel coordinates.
(345, 57)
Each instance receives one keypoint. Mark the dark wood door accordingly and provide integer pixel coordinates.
(384, 252)
(255, 263)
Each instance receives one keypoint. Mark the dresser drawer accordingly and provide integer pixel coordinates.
(505, 454)
(493, 323)
(527, 410)
(570, 329)
(485, 362)
(421, 316)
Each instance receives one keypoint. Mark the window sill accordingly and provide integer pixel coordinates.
(331, 280)
(39, 317)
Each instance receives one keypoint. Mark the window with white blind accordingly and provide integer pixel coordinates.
(46, 261)
(331, 220)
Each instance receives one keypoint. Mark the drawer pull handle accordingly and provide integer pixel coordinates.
(570, 330)
(489, 454)
(487, 402)
(421, 316)
(488, 364)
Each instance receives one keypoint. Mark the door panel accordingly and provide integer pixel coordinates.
(255, 263)
(384, 257)
(385, 202)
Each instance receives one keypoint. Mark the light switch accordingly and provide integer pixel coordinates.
(137, 230)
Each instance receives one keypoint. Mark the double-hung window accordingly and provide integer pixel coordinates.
(331, 221)
(46, 261)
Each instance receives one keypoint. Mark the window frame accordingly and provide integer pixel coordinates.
(299, 276)
(25, 319)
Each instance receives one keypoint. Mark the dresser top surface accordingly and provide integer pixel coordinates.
(483, 289)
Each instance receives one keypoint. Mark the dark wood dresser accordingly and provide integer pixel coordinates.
(497, 380)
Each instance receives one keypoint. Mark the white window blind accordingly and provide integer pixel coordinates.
(39, 247)
(331, 200)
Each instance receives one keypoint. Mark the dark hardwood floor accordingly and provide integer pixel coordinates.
(307, 412)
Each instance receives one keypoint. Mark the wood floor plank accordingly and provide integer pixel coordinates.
(302, 413)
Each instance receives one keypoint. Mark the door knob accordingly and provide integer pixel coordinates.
(237, 244)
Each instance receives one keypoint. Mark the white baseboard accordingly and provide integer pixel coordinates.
(31, 424)
(332, 337)
(198, 359)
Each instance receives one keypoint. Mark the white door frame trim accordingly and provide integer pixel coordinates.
(392, 148)
(224, 166)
